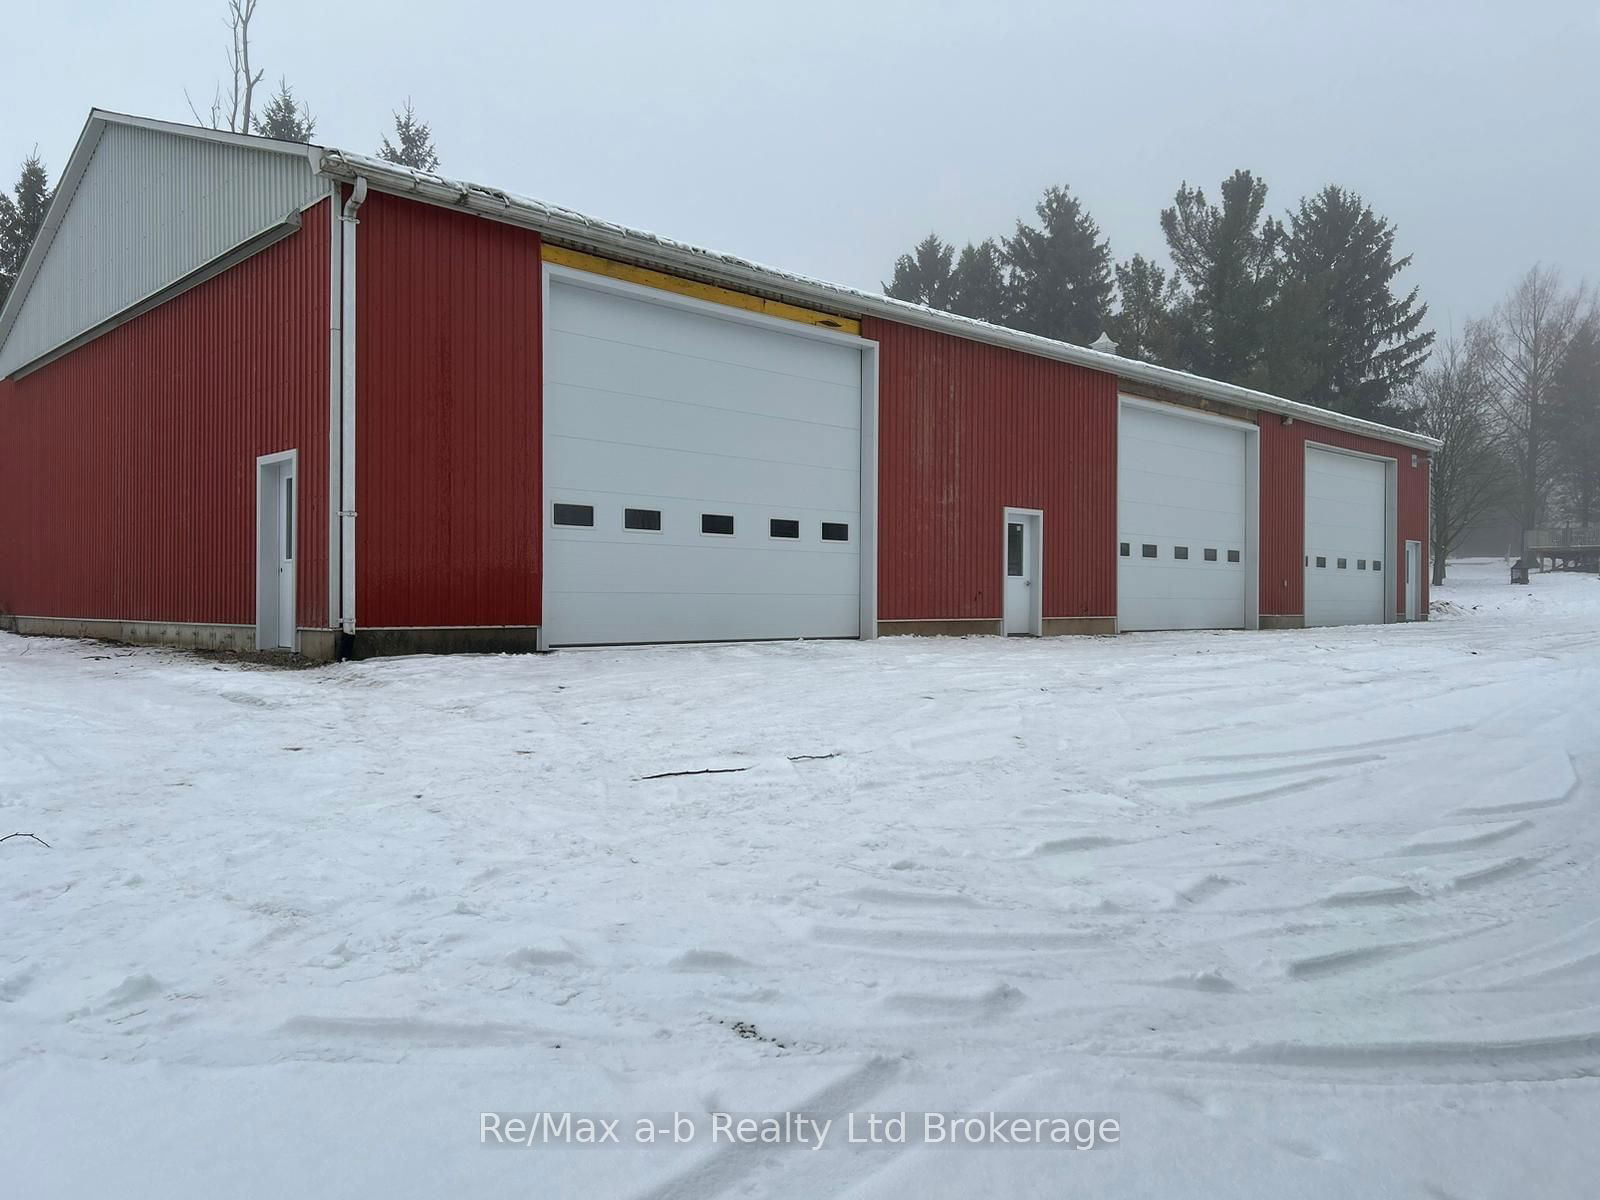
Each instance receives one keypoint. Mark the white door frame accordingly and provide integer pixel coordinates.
(1252, 492)
(270, 470)
(1032, 520)
(1413, 582)
(726, 312)
(1391, 522)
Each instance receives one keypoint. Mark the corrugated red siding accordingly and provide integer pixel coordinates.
(965, 430)
(448, 419)
(1283, 509)
(127, 468)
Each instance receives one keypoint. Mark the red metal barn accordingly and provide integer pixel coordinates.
(259, 395)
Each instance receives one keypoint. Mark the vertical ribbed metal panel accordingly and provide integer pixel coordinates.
(448, 430)
(127, 468)
(1283, 509)
(150, 208)
(966, 430)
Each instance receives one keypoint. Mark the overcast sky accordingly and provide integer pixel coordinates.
(827, 138)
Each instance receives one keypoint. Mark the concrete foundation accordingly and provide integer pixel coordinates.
(1051, 626)
(937, 628)
(1283, 621)
(488, 639)
(318, 645)
(1057, 626)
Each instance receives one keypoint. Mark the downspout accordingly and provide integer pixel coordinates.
(348, 222)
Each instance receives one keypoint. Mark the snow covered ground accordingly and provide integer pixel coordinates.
(1310, 914)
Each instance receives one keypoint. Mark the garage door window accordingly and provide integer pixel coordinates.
(645, 520)
(719, 524)
(580, 515)
(782, 528)
(1180, 552)
(1234, 556)
(1211, 555)
(1146, 550)
(835, 531)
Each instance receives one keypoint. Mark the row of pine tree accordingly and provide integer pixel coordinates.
(1302, 306)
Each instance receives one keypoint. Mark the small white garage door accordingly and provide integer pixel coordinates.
(1181, 515)
(702, 474)
(1346, 559)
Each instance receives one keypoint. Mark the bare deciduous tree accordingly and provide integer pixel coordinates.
(1522, 347)
(231, 110)
(1452, 401)
(1576, 415)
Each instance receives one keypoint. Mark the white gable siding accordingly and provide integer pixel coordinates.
(149, 208)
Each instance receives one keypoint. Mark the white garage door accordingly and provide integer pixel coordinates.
(1181, 515)
(1346, 558)
(702, 474)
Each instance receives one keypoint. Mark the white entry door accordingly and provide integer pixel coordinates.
(1023, 579)
(1413, 581)
(1345, 556)
(1184, 515)
(702, 473)
(277, 547)
(286, 557)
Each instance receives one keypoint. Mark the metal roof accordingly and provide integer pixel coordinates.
(568, 226)
(649, 249)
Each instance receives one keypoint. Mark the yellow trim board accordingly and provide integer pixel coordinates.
(611, 269)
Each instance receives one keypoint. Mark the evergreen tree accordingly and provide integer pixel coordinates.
(1060, 272)
(978, 284)
(1294, 348)
(1575, 416)
(1227, 257)
(284, 119)
(923, 276)
(21, 215)
(413, 144)
(1143, 326)
(1354, 345)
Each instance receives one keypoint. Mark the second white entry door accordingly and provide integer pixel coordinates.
(1023, 580)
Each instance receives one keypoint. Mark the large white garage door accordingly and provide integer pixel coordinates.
(1181, 515)
(1346, 558)
(702, 474)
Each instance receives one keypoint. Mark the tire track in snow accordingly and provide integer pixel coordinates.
(726, 1167)
(1569, 1056)
(1375, 744)
(1449, 839)
(1353, 760)
(954, 940)
(1271, 793)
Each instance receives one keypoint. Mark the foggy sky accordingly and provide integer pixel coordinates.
(827, 138)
